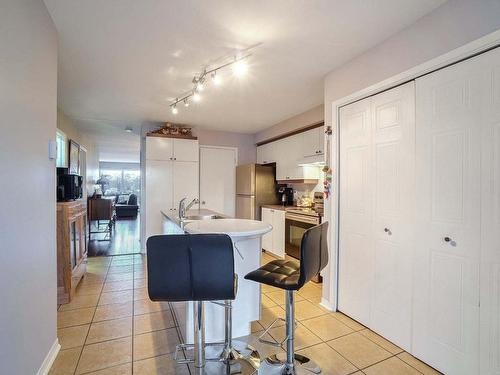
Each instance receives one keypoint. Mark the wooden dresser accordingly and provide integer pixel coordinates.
(72, 229)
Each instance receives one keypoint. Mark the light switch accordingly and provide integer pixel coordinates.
(52, 149)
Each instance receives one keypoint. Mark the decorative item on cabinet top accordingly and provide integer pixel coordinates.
(170, 130)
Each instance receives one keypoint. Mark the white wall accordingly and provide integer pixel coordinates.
(28, 105)
(450, 26)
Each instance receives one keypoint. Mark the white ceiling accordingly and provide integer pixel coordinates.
(121, 61)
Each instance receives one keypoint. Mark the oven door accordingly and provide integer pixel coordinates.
(295, 226)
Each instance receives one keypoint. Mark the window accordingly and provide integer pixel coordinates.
(61, 144)
(120, 178)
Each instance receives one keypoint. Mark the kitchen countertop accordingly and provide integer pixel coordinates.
(278, 207)
(174, 215)
(232, 227)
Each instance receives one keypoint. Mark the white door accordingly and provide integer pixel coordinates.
(446, 282)
(377, 172)
(185, 182)
(218, 179)
(490, 216)
(159, 148)
(267, 239)
(185, 150)
(393, 179)
(158, 194)
(279, 233)
(356, 260)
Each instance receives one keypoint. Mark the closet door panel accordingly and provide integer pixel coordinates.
(393, 114)
(490, 217)
(356, 245)
(446, 281)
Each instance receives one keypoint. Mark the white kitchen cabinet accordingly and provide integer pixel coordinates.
(158, 193)
(287, 153)
(159, 148)
(172, 173)
(274, 241)
(313, 142)
(162, 148)
(267, 239)
(266, 153)
(186, 150)
(185, 181)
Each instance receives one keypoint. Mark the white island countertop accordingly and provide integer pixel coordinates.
(233, 227)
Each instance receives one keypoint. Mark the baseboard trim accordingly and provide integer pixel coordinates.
(324, 302)
(49, 359)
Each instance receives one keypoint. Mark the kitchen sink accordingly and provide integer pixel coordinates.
(203, 217)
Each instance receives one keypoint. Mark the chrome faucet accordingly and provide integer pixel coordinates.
(183, 208)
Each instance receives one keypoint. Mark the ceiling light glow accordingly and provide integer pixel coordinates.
(196, 96)
(175, 110)
(240, 68)
(216, 78)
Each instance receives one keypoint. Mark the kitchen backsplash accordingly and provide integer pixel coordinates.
(308, 190)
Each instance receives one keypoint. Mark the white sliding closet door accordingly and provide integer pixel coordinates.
(393, 185)
(448, 175)
(355, 220)
(377, 152)
(490, 216)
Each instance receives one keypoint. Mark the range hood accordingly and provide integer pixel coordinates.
(312, 161)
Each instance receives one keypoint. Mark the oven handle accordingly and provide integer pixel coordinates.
(302, 218)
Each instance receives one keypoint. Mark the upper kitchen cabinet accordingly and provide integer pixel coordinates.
(313, 142)
(266, 153)
(160, 148)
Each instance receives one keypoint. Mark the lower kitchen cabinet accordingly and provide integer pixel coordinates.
(274, 241)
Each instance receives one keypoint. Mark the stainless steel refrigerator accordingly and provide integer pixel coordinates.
(255, 186)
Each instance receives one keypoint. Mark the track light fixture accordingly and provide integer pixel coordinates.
(238, 65)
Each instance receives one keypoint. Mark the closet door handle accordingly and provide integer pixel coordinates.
(388, 231)
(447, 239)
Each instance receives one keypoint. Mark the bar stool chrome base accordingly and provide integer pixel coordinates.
(241, 351)
(302, 365)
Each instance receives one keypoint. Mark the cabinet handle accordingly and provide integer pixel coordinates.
(203, 202)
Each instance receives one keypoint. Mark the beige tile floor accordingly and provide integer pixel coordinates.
(112, 328)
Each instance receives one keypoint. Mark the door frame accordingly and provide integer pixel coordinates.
(232, 148)
(478, 46)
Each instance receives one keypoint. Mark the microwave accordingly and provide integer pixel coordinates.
(69, 187)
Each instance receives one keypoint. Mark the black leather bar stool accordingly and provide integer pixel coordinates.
(197, 268)
(291, 276)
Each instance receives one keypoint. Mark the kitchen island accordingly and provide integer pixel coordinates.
(247, 237)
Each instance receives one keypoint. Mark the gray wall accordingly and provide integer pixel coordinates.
(28, 105)
(450, 26)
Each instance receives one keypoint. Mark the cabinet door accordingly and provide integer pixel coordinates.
(186, 150)
(265, 154)
(446, 283)
(293, 152)
(74, 244)
(267, 239)
(320, 137)
(159, 148)
(279, 151)
(279, 233)
(185, 182)
(158, 194)
(310, 143)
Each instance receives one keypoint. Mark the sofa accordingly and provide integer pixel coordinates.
(127, 208)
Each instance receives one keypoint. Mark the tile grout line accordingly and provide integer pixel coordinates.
(91, 321)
